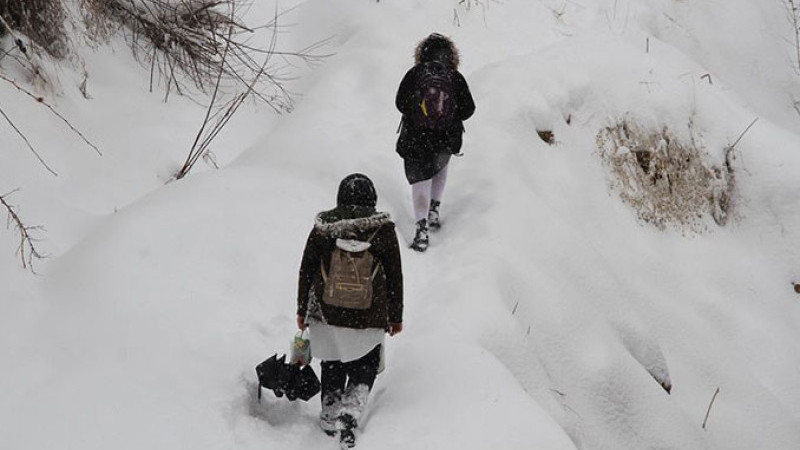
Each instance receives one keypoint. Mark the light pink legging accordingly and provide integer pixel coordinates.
(423, 192)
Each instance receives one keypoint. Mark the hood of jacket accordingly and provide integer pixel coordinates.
(348, 222)
(435, 47)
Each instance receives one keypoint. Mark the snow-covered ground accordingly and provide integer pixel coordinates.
(539, 313)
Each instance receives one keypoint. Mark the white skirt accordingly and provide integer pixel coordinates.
(332, 343)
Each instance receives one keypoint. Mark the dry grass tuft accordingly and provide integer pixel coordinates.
(668, 183)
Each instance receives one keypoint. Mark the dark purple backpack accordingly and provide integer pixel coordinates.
(435, 95)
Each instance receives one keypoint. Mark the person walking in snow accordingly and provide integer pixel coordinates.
(435, 100)
(350, 294)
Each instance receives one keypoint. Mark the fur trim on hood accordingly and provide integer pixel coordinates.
(346, 228)
(435, 43)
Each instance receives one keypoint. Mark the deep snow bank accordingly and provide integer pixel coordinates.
(542, 310)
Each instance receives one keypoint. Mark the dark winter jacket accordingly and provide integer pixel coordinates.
(352, 222)
(415, 142)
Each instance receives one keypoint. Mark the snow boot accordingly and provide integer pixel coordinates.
(328, 417)
(433, 216)
(420, 243)
(347, 436)
(347, 439)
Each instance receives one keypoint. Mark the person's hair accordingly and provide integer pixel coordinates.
(437, 47)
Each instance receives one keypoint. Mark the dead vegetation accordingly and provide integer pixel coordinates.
(188, 46)
(667, 182)
(204, 43)
(546, 136)
(26, 249)
(174, 37)
(180, 42)
(41, 21)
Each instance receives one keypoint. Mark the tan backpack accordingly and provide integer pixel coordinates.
(348, 283)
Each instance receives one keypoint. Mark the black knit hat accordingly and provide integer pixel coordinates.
(357, 190)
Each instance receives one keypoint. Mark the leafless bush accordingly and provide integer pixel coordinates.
(187, 44)
(667, 182)
(205, 43)
(217, 116)
(38, 38)
(189, 37)
(42, 21)
(26, 249)
(185, 36)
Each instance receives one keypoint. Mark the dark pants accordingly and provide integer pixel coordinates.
(345, 386)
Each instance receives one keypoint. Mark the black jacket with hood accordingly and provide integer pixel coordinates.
(420, 144)
(354, 217)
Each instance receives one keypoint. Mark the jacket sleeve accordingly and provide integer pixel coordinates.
(393, 269)
(404, 101)
(465, 103)
(309, 266)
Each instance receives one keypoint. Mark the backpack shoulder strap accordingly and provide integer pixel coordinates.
(377, 266)
(372, 236)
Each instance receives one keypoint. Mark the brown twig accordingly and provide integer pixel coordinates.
(27, 142)
(215, 121)
(195, 149)
(743, 133)
(26, 248)
(41, 101)
(705, 421)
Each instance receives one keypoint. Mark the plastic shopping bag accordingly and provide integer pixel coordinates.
(300, 349)
(382, 363)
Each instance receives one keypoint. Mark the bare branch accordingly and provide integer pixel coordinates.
(195, 150)
(26, 249)
(27, 142)
(708, 411)
(191, 36)
(41, 101)
(743, 133)
(233, 59)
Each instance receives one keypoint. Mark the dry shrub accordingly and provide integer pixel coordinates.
(197, 38)
(203, 44)
(42, 21)
(99, 27)
(667, 182)
(186, 36)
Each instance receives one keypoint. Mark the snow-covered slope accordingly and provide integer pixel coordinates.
(544, 315)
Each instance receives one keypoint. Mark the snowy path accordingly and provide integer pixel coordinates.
(540, 310)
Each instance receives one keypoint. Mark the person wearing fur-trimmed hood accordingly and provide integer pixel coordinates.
(426, 147)
(349, 341)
